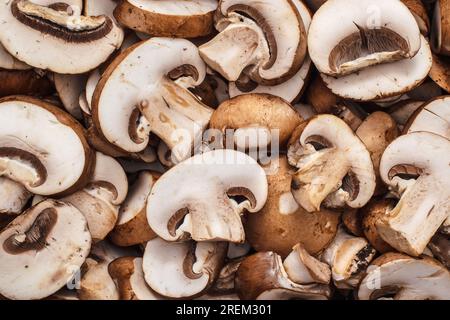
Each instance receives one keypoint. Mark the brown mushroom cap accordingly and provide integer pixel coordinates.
(272, 230)
(27, 82)
(440, 30)
(419, 12)
(440, 71)
(352, 220)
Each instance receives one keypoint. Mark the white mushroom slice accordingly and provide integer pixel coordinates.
(41, 250)
(42, 36)
(262, 276)
(363, 34)
(333, 164)
(420, 180)
(419, 11)
(42, 147)
(432, 117)
(134, 87)
(69, 88)
(168, 18)
(303, 268)
(206, 209)
(132, 227)
(348, 257)
(7, 61)
(128, 274)
(234, 47)
(13, 196)
(182, 270)
(292, 88)
(440, 28)
(405, 278)
(398, 77)
(91, 84)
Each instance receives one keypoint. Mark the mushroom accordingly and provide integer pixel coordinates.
(420, 180)
(377, 131)
(282, 223)
(405, 278)
(440, 71)
(348, 257)
(264, 40)
(403, 110)
(440, 247)
(440, 38)
(182, 270)
(360, 37)
(127, 273)
(175, 18)
(262, 276)
(255, 120)
(419, 12)
(334, 166)
(13, 197)
(290, 90)
(352, 222)
(41, 249)
(132, 227)
(147, 99)
(99, 7)
(8, 62)
(41, 36)
(224, 284)
(222, 185)
(99, 201)
(69, 88)
(42, 147)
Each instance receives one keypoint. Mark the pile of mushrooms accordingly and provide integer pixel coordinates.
(224, 149)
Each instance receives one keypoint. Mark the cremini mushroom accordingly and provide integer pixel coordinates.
(42, 249)
(440, 30)
(440, 71)
(182, 270)
(420, 181)
(419, 11)
(13, 197)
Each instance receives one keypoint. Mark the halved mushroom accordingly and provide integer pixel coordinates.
(348, 257)
(69, 88)
(433, 116)
(262, 276)
(398, 77)
(41, 37)
(255, 120)
(415, 167)
(174, 18)
(440, 30)
(440, 72)
(364, 34)
(13, 196)
(132, 227)
(135, 96)
(282, 223)
(264, 40)
(419, 12)
(334, 166)
(222, 185)
(42, 147)
(405, 278)
(289, 90)
(42, 249)
(182, 270)
(99, 201)
(128, 275)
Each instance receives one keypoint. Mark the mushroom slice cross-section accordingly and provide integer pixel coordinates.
(59, 40)
(41, 250)
(405, 278)
(7, 61)
(42, 147)
(273, 25)
(182, 270)
(333, 164)
(13, 195)
(415, 167)
(363, 34)
(136, 96)
(208, 193)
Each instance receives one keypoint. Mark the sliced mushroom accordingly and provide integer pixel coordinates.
(419, 12)
(334, 166)
(8, 62)
(405, 278)
(41, 37)
(440, 37)
(13, 196)
(41, 250)
(282, 223)
(264, 39)
(132, 227)
(398, 77)
(209, 209)
(262, 276)
(364, 34)
(181, 19)
(415, 167)
(182, 270)
(42, 147)
(348, 257)
(147, 99)
(255, 121)
(69, 88)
